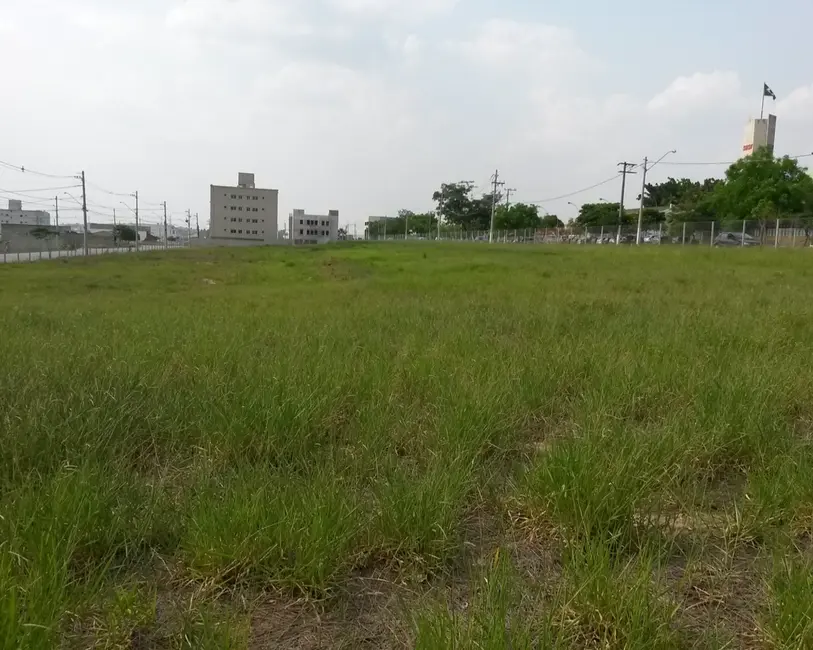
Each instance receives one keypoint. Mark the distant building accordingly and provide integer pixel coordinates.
(759, 133)
(16, 215)
(243, 215)
(314, 228)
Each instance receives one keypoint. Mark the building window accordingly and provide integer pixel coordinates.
(300, 232)
(234, 196)
(239, 232)
(300, 223)
(240, 209)
(233, 208)
(240, 197)
(233, 231)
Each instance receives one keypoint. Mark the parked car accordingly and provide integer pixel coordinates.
(732, 239)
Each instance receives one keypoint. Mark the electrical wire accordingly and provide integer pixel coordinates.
(28, 196)
(727, 162)
(31, 171)
(567, 196)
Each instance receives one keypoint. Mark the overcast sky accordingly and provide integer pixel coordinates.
(366, 106)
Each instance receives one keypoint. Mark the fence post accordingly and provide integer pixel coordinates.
(776, 235)
(660, 232)
(793, 240)
(683, 239)
(742, 243)
(29, 254)
(711, 242)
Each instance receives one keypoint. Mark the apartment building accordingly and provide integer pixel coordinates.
(314, 228)
(243, 214)
(15, 214)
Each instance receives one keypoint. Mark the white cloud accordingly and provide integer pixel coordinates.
(234, 18)
(500, 43)
(798, 105)
(698, 92)
(399, 10)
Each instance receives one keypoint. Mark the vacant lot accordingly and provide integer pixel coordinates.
(454, 446)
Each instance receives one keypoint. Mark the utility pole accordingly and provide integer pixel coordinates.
(496, 183)
(508, 192)
(626, 168)
(647, 167)
(189, 227)
(406, 226)
(138, 236)
(85, 216)
(115, 229)
(440, 211)
(641, 207)
(56, 198)
(197, 225)
(166, 239)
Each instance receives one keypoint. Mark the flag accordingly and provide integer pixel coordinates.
(767, 92)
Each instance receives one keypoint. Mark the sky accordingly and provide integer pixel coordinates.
(367, 106)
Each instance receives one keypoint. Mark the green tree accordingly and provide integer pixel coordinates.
(551, 221)
(124, 233)
(42, 232)
(457, 206)
(422, 224)
(518, 216)
(763, 187)
(601, 214)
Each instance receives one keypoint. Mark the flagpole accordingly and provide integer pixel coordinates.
(762, 110)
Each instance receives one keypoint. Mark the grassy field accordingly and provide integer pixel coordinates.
(392, 446)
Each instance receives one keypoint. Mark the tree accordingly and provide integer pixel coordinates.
(457, 205)
(124, 233)
(551, 221)
(41, 232)
(762, 187)
(388, 226)
(342, 233)
(422, 224)
(518, 216)
(601, 214)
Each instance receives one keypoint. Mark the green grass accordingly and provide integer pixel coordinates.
(533, 446)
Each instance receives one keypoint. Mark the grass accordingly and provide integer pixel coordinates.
(453, 446)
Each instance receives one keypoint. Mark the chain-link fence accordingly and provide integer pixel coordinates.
(784, 233)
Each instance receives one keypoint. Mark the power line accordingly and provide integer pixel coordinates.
(31, 171)
(730, 162)
(43, 189)
(30, 196)
(567, 196)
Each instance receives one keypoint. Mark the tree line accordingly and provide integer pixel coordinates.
(459, 208)
(760, 188)
(757, 188)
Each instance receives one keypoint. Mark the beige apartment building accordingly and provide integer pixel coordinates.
(243, 215)
(16, 215)
(314, 228)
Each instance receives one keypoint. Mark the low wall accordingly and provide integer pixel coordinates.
(17, 238)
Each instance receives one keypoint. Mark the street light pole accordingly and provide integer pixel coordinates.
(643, 192)
(138, 236)
(85, 217)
